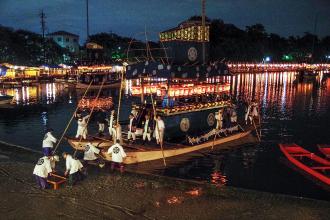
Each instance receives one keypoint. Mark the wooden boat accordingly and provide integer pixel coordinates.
(6, 99)
(113, 84)
(324, 149)
(302, 159)
(139, 153)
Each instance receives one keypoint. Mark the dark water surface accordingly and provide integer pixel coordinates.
(291, 112)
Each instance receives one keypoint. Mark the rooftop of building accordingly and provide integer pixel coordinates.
(62, 33)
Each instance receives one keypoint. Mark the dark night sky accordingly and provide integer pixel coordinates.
(129, 17)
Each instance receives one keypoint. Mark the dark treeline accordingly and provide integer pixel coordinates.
(226, 41)
(23, 47)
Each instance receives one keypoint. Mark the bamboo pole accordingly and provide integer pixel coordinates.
(120, 94)
(161, 142)
(73, 115)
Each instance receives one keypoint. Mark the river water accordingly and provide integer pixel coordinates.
(291, 111)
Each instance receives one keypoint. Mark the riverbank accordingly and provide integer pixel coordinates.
(105, 195)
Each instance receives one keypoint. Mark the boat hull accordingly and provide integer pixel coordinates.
(293, 152)
(324, 149)
(143, 155)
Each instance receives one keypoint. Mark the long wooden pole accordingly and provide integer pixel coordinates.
(161, 142)
(120, 94)
(73, 115)
(255, 127)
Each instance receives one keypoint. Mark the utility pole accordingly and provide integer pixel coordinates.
(43, 28)
(203, 29)
(87, 20)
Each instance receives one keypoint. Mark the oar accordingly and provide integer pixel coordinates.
(73, 115)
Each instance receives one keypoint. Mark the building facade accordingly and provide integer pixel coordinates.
(66, 40)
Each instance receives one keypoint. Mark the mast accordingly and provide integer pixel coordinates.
(43, 28)
(87, 20)
(203, 29)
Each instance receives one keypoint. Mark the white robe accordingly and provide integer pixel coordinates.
(90, 151)
(72, 165)
(159, 130)
(117, 153)
(49, 140)
(82, 127)
(43, 167)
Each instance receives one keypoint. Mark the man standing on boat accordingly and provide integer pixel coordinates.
(148, 126)
(48, 143)
(131, 127)
(82, 126)
(41, 171)
(117, 154)
(101, 120)
(111, 122)
(219, 119)
(90, 153)
(73, 169)
(159, 130)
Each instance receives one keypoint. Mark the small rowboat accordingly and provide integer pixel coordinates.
(5, 99)
(324, 149)
(310, 163)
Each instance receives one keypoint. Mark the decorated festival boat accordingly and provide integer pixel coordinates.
(187, 91)
(97, 76)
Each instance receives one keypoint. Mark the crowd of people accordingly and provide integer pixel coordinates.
(75, 169)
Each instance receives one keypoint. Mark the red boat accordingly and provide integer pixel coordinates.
(324, 149)
(309, 162)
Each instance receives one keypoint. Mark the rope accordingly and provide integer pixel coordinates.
(89, 116)
(161, 142)
(73, 115)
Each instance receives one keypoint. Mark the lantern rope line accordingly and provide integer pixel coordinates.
(89, 116)
(161, 142)
(72, 117)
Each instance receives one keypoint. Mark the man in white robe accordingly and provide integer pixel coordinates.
(41, 171)
(82, 127)
(73, 169)
(48, 143)
(159, 130)
(117, 155)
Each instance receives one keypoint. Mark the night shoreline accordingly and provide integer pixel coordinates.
(138, 196)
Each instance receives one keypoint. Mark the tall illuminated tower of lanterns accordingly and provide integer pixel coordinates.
(189, 42)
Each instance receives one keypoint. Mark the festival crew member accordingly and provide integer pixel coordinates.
(73, 169)
(91, 153)
(117, 154)
(148, 127)
(131, 127)
(41, 171)
(219, 119)
(82, 126)
(159, 130)
(111, 122)
(48, 143)
(247, 114)
(116, 132)
(101, 120)
(233, 117)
